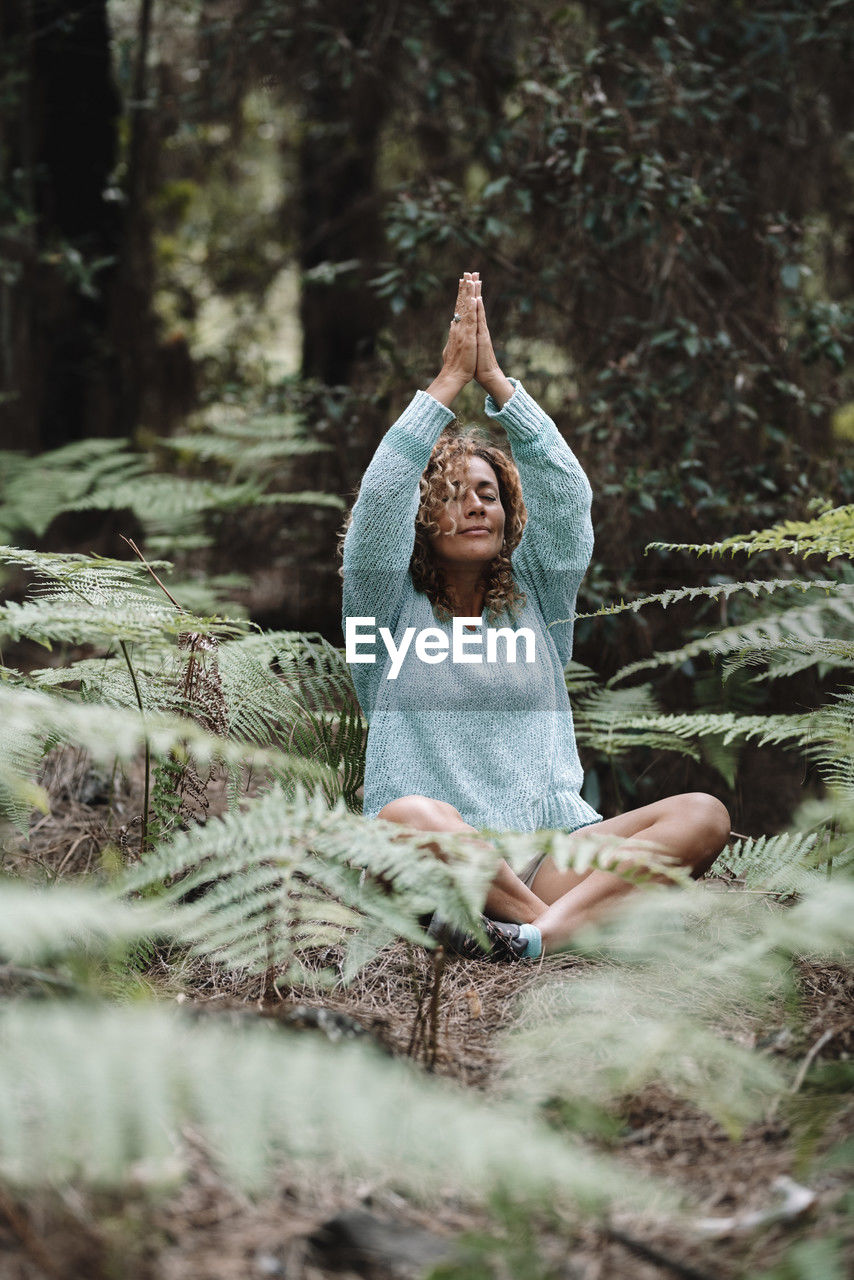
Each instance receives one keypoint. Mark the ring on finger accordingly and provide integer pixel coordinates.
(456, 319)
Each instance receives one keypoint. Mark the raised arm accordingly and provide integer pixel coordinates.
(555, 549)
(379, 542)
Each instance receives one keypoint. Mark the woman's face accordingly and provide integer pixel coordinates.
(471, 526)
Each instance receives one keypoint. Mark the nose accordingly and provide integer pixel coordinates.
(474, 504)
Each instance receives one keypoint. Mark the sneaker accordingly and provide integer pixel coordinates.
(457, 941)
(504, 939)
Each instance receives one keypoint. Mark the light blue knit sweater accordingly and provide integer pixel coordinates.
(494, 740)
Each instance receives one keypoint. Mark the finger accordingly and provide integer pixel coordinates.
(482, 326)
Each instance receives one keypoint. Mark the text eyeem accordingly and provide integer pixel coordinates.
(432, 644)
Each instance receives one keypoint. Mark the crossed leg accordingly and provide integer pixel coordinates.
(692, 828)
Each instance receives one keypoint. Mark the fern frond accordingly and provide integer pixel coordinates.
(834, 742)
(790, 657)
(579, 679)
(285, 874)
(776, 730)
(20, 753)
(60, 477)
(680, 968)
(804, 624)
(719, 591)
(830, 534)
(599, 1038)
(95, 475)
(87, 1094)
(784, 863)
(88, 600)
(40, 924)
(613, 721)
(295, 690)
(252, 447)
(110, 733)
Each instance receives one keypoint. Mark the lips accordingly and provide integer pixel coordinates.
(477, 529)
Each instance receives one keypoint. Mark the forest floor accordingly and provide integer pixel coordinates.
(309, 1230)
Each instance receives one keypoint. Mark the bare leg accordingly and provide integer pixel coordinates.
(692, 828)
(508, 897)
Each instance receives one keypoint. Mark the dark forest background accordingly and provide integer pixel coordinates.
(231, 208)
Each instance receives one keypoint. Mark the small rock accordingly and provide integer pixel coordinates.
(378, 1247)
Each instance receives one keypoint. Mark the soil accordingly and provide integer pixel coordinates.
(311, 1230)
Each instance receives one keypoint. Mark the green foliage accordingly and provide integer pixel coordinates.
(620, 213)
(829, 534)
(719, 591)
(285, 874)
(784, 863)
(44, 925)
(295, 691)
(798, 630)
(250, 460)
(811, 1260)
(91, 1094)
(682, 967)
(78, 600)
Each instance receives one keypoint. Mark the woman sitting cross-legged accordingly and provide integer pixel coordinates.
(471, 561)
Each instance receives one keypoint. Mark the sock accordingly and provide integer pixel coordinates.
(534, 939)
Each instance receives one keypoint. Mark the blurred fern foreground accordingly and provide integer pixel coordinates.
(228, 1048)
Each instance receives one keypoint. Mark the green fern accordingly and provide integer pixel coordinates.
(257, 446)
(295, 690)
(673, 973)
(38, 925)
(719, 591)
(784, 863)
(834, 743)
(20, 753)
(91, 600)
(95, 475)
(115, 733)
(91, 1095)
(802, 625)
(60, 477)
(289, 873)
(612, 722)
(829, 534)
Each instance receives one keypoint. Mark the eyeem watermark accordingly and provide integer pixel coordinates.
(432, 644)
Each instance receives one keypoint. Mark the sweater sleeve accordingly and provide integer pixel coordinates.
(555, 549)
(379, 542)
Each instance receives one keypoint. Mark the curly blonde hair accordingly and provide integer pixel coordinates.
(439, 484)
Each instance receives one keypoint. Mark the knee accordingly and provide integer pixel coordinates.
(710, 827)
(423, 813)
(711, 818)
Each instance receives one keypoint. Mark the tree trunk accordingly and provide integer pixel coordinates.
(62, 236)
(339, 225)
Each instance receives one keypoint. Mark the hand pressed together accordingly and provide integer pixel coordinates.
(468, 353)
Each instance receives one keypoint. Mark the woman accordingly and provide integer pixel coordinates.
(438, 549)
